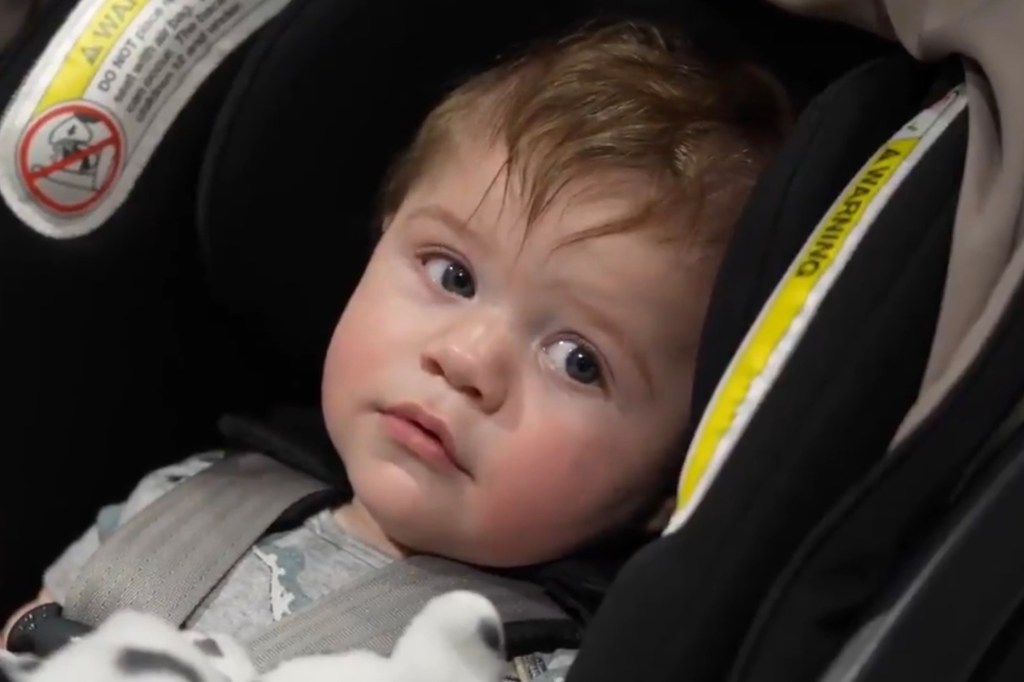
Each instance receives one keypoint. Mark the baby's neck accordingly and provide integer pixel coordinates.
(355, 519)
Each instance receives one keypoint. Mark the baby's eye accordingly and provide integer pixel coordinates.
(578, 361)
(452, 275)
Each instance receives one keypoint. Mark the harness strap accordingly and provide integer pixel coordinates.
(372, 612)
(169, 556)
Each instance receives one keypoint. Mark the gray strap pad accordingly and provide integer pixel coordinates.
(169, 556)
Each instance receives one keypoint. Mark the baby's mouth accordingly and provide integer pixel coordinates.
(430, 434)
(423, 434)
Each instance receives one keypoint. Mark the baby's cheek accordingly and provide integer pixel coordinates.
(550, 486)
(369, 335)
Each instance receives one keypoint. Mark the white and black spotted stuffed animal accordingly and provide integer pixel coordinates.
(457, 637)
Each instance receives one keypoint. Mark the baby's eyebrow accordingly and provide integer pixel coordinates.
(599, 316)
(440, 214)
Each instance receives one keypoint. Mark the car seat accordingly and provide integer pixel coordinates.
(810, 527)
(142, 333)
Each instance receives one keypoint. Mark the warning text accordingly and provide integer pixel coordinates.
(158, 49)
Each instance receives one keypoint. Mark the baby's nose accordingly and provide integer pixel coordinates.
(474, 358)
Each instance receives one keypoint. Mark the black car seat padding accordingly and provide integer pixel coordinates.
(852, 553)
(1004, 659)
(948, 612)
(691, 596)
(112, 350)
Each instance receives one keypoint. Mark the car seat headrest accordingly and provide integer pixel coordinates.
(790, 198)
(816, 411)
(122, 318)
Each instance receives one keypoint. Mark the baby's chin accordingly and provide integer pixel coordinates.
(446, 521)
(484, 548)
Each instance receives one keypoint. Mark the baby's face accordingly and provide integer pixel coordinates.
(500, 401)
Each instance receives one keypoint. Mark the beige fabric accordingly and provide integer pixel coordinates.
(987, 262)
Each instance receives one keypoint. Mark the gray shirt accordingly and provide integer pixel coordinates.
(278, 576)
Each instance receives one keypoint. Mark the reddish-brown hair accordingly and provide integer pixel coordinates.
(626, 96)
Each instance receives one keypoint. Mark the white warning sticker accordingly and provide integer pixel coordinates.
(87, 118)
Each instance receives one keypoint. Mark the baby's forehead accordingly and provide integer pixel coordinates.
(593, 233)
(652, 290)
(497, 200)
(635, 267)
(637, 272)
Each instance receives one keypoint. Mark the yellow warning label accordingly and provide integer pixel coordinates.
(89, 52)
(106, 89)
(813, 262)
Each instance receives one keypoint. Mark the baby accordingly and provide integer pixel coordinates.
(510, 381)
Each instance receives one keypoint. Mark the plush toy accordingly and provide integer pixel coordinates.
(457, 637)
